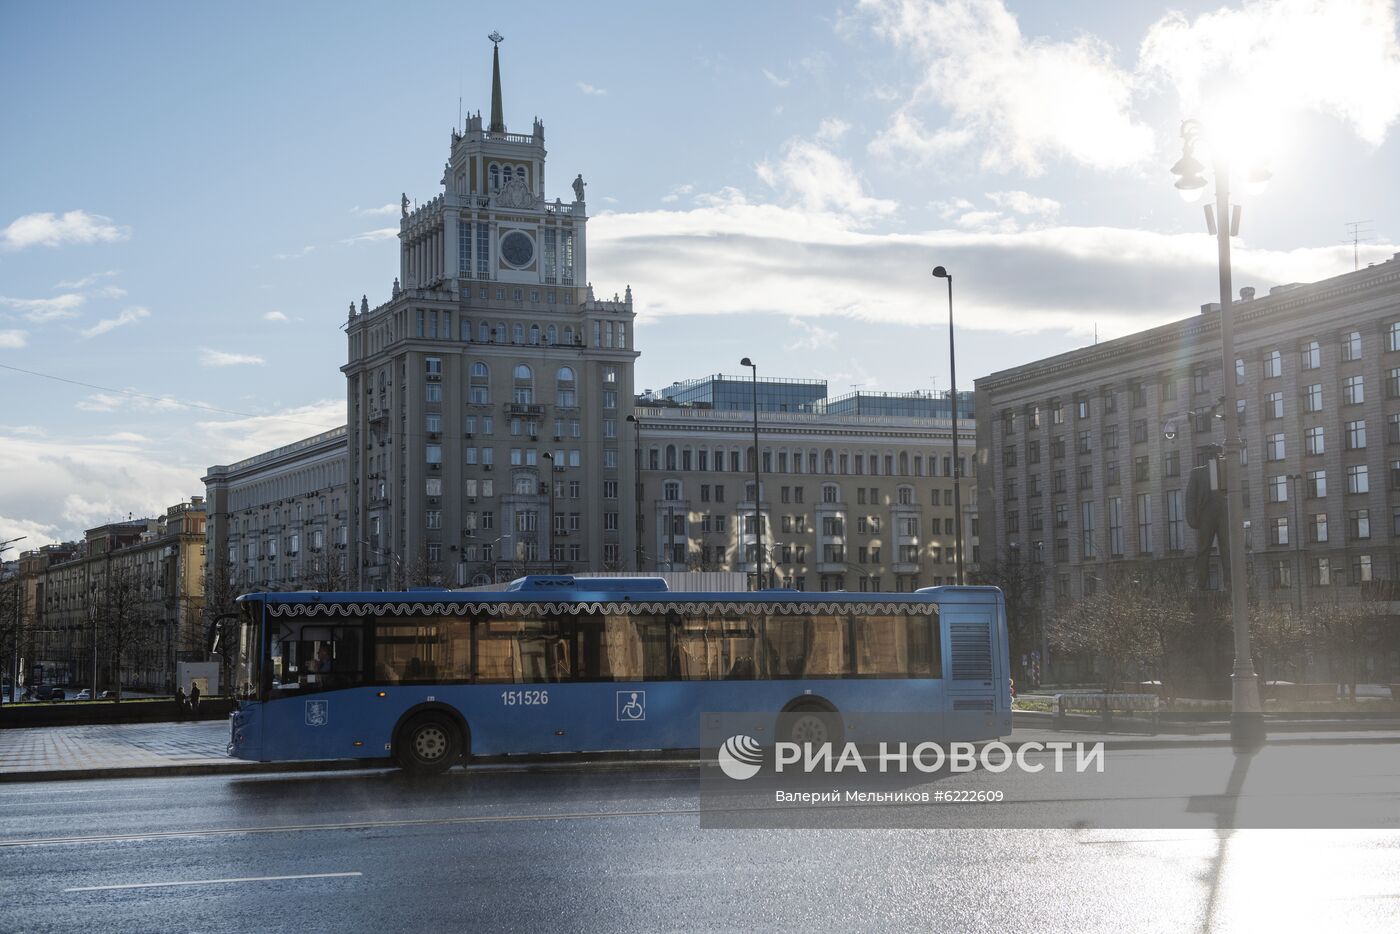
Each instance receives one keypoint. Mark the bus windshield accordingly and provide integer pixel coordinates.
(247, 664)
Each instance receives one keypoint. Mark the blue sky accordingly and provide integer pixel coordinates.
(191, 194)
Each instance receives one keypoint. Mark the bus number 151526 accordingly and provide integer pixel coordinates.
(524, 698)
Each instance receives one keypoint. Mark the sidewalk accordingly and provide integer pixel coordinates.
(139, 750)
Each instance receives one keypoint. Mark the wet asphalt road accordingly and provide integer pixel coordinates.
(623, 849)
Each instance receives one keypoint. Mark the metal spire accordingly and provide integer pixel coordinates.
(498, 120)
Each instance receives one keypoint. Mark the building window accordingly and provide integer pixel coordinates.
(1084, 446)
(1358, 480)
(1356, 435)
(1273, 406)
(1144, 521)
(1086, 478)
(1278, 489)
(1273, 365)
(1351, 346)
(1314, 441)
(1312, 398)
(1110, 437)
(1312, 355)
(1353, 390)
(1176, 540)
(1274, 448)
(1278, 531)
(1393, 337)
(1317, 484)
(1361, 569)
(1359, 524)
(1171, 464)
(1322, 572)
(1317, 530)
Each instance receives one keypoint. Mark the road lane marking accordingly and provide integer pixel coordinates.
(158, 885)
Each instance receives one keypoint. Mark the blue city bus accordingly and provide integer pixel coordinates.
(561, 664)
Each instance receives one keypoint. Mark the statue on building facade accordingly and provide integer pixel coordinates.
(403, 204)
(1206, 511)
(579, 184)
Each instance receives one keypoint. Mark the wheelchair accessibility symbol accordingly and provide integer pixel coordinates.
(318, 712)
(631, 705)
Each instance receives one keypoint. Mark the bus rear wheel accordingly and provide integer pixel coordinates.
(428, 744)
(810, 723)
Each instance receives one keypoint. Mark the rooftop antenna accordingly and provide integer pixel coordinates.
(1355, 230)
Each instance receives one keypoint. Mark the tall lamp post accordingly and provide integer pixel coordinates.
(757, 508)
(1247, 733)
(637, 484)
(941, 273)
(549, 456)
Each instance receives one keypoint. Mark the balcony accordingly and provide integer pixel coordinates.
(520, 408)
(906, 567)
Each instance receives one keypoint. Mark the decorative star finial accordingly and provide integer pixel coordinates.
(495, 37)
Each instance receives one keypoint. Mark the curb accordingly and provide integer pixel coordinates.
(688, 761)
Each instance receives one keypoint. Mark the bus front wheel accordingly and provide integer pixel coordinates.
(428, 744)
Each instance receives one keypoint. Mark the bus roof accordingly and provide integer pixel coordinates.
(569, 588)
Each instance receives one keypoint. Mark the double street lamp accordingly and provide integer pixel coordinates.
(637, 485)
(549, 456)
(940, 272)
(757, 509)
(1247, 732)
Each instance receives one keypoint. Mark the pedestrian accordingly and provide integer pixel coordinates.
(179, 703)
(194, 700)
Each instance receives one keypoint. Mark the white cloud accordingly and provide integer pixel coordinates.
(13, 339)
(40, 310)
(1025, 101)
(233, 439)
(111, 291)
(295, 254)
(591, 90)
(820, 181)
(1024, 203)
(275, 316)
(811, 336)
(111, 402)
(675, 194)
(385, 210)
(209, 357)
(374, 236)
(1019, 102)
(127, 316)
(125, 437)
(1336, 57)
(775, 80)
(49, 229)
(85, 281)
(730, 256)
(31, 534)
(832, 129)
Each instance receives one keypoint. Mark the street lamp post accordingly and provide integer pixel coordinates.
(549, 456)
(757, 508)
(637, 485)
(940, 272)
(1247, 733)
(1297, 546)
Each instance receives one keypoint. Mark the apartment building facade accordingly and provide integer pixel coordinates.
(1084, 457)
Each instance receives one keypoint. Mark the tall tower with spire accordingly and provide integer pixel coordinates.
(491, 378)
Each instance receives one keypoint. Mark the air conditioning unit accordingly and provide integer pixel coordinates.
(487, 466)
(471, 499)
(469, 436)
(435, 467)
(433, 436)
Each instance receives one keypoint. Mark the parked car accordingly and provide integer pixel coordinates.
(84, 694)
(48, 692)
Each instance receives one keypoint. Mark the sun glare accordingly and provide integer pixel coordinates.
(1245, 128)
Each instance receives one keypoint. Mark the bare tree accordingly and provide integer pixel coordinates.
(1279, 636)
(1130, 624)
(1346, 631)
(1021, 585)
(128, 622)
(11, 615)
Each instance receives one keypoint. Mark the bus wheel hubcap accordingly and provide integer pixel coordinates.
(809, 729)
(430, 743)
